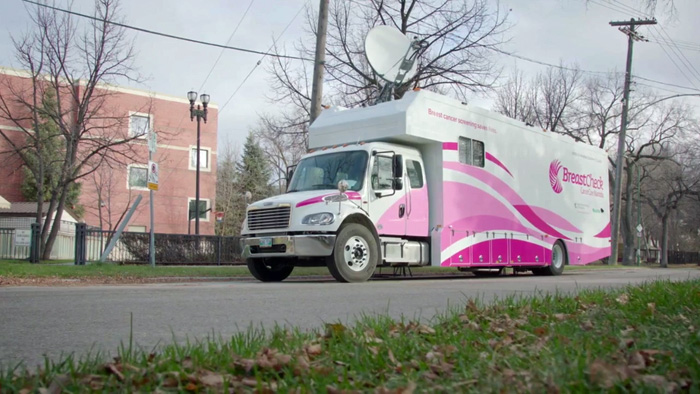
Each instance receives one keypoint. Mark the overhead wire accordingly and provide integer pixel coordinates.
(227, 42)
(166, 34)
(263, 57)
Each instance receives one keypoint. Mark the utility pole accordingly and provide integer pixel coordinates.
(319, 61)
(628, 27)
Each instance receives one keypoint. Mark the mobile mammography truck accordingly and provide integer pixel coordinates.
(429, 181)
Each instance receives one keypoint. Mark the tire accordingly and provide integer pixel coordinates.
(487, 273)
(355, 255)
(269, 270)
(559, 260)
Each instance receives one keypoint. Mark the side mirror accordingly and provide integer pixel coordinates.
(290, 172)
(398, 183)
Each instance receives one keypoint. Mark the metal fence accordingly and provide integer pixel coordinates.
(676, 257)
(9, 249)
(170, 249)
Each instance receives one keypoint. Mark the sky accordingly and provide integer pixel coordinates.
(547, 31)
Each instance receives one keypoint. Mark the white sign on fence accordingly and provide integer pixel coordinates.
(23, 237)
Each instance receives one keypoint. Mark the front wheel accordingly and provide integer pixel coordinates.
(355, 255)
(559, 260)
(268, 270)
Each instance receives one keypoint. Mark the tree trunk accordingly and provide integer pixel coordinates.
(56, 223)
(664, 241)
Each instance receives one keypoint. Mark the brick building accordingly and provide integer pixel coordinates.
(108, 192)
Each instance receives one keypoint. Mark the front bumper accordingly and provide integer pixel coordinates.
(288, 246)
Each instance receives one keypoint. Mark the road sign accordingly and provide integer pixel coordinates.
(639, 228)
(23, 237)
(219, 216)
(152, 141)
(639, 234)
(153, 175)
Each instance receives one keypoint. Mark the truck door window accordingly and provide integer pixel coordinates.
(381, 173)
(415, 174)
(471, 152)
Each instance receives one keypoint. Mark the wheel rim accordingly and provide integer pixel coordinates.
(356, 253)
(557, 256)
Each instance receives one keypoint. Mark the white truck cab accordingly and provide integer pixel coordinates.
(427, 180)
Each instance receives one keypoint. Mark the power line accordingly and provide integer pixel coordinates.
(263, 57)
(681, 55)
(674, 62)
(167, 35)
(227, 41)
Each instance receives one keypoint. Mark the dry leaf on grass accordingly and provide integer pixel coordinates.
(623, 299)
(114, 370)
(607, 375)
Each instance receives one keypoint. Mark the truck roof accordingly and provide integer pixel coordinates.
(420, 117)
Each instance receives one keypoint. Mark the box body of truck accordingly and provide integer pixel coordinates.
(474, 190)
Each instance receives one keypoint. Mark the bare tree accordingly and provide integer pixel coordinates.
(75, 65)
(458, 37)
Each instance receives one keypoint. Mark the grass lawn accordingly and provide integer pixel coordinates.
(19, 269)
(638, 339)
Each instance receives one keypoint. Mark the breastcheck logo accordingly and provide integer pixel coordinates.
(587, 182)
(554, 169)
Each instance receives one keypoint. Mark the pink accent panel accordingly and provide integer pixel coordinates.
(315, 200)
(605, 233)
(417, 217)
(508, 193)
(450, 146)
(555, 220)
(493, 159)
(530, 254)
(391, 225)
(587, 253)
(483, 222)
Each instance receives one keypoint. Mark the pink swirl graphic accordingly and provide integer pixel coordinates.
(554, 169)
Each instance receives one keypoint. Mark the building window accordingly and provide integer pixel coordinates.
(139, 124)
(137, 229)
(471, 152)
(415, 174)
(204, 154)
(203, 209)
(137, 177)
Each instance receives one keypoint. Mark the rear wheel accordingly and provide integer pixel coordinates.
(355, 255)
(559, 260)
(269, 270)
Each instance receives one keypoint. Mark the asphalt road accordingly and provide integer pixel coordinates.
(37, 321)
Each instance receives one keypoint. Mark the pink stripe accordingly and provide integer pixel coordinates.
(487, 253)
(493, 159)
(555, 220)
(450, 146)
(315, 200)
(605, 233)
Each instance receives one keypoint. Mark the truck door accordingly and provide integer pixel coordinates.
(387, 195)
(416, 198)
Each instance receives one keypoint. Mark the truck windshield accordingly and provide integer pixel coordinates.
(325, 171)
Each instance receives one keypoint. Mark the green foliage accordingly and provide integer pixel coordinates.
(48, 152)
(252, 174)
(638, 339)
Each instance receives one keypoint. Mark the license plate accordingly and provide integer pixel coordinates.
(265, 242)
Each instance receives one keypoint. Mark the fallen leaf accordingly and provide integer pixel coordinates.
(540, 331)
(623, 299)
(606, 375)
(112, 369)
(390, 354)
(652, 307)
(626, 342)
(334, 330)
(186, 363)
(660, 382)
(636, 361)
(191, 387)
(313, 349)
(586, 325)
(423, 329)
(561, 316)
(211, 379)
(250, 382)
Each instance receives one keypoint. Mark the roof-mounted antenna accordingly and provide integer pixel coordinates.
(392, 56)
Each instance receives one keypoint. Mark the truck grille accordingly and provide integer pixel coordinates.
(270, 218)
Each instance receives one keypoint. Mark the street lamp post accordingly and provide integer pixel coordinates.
(200, 113)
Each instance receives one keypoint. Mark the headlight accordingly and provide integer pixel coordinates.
(322, 218)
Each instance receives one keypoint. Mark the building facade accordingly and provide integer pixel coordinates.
(109, 191)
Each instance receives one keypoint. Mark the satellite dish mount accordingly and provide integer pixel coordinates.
(392, 57)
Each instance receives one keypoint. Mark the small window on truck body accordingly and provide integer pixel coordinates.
(415, 174)
(471, 152)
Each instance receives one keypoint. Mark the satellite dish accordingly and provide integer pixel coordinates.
(390, 54)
